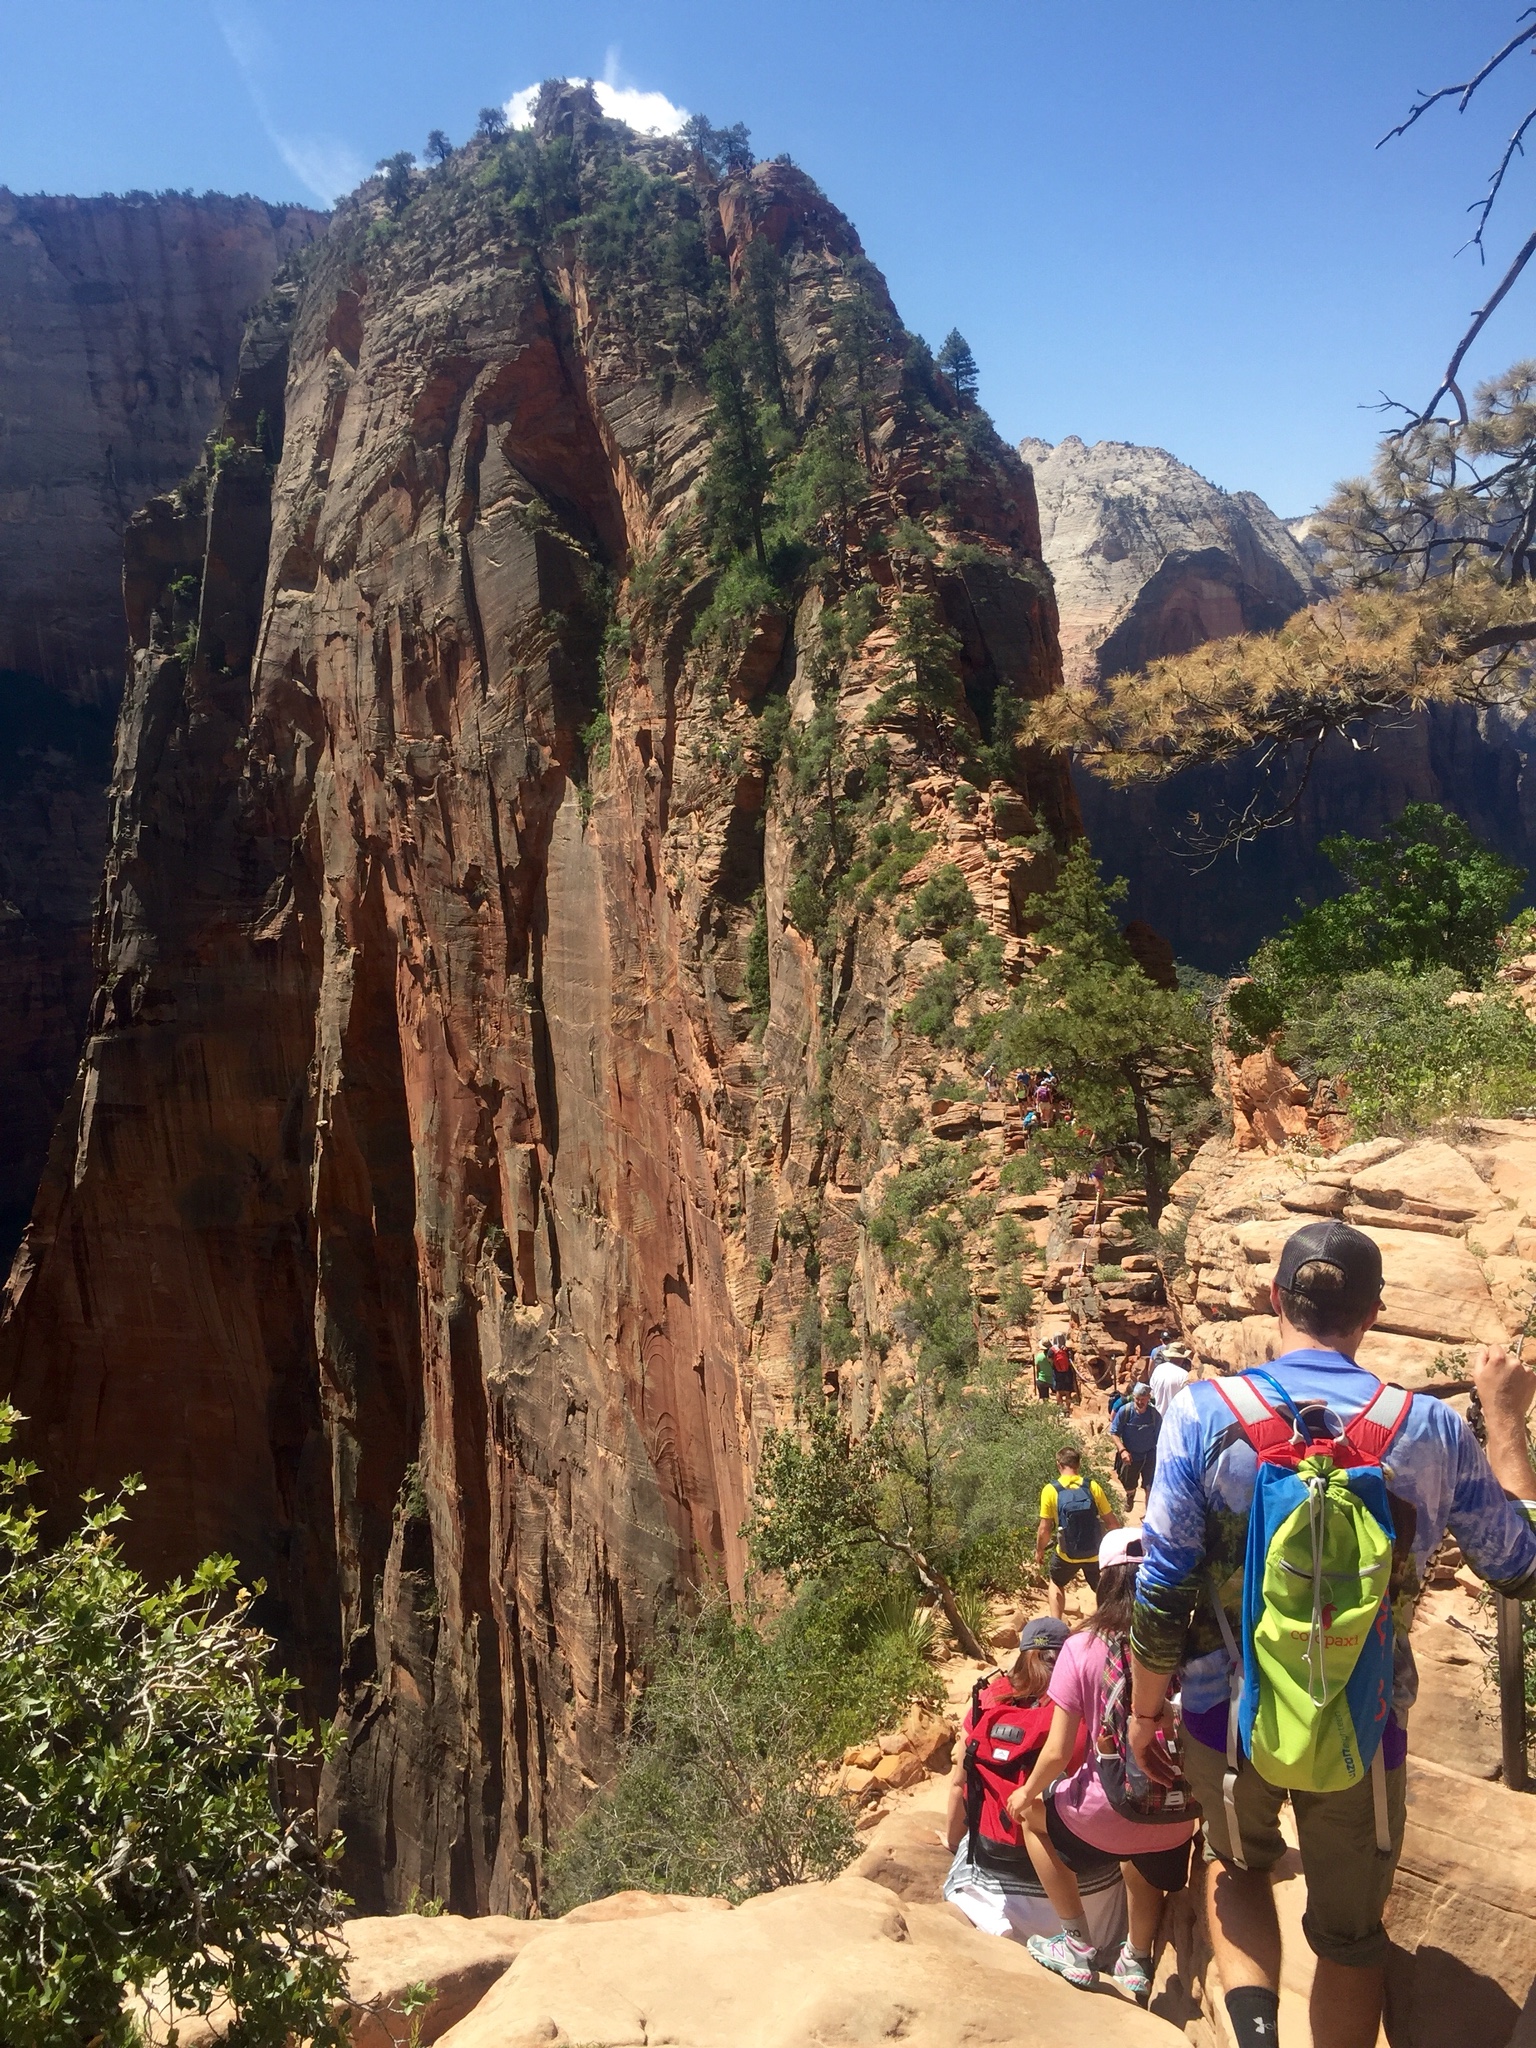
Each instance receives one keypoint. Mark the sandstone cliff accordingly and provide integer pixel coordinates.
(1150, 559)
(120, 324)
(490, 1041)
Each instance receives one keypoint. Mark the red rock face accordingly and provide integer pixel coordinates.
(409, 1222)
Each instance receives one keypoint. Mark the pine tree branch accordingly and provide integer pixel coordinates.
(1448, 387)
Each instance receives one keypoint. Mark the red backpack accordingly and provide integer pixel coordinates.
(1004, 1740)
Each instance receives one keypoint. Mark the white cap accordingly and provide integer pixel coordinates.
(1120, 1546)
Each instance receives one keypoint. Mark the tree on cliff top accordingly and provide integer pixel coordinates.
(143, 1845)
(1134, 1059)
(959, 366)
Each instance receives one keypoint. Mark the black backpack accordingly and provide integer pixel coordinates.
(1078, 1529)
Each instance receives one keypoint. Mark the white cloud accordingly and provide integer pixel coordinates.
(650, 113)
(327, 167)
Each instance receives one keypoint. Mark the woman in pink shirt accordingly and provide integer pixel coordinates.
(1072, 1828)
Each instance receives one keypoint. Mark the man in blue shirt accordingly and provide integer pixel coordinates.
(1327, 1294)
(1136, 1428)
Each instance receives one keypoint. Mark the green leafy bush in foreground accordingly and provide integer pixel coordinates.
(142, 1840)
(721, 1787)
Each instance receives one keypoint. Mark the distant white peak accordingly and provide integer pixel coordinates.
(648, 113)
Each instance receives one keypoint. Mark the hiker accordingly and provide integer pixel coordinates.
(1074, 1513)
(1045, 1100)
(1169, 1374)
(1233, 1509)
(989, 1075)
(1045, 1376)
(1087, 1819)
(992, 1878)
(1063, 1375)
(1135, 1429)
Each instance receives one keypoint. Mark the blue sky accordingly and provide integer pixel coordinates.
(1154, 220)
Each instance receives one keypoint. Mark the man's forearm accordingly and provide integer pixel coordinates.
(1509, 1453)
(1149, 1689)
(1505, 1388)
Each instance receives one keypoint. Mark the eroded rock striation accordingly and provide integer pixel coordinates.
(498, 968)
(120, 326)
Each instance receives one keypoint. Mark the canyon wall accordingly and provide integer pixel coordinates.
(1150, 559)
(120, 325)
(493, 1034)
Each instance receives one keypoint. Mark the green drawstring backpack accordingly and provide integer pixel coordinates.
(1312, 1687)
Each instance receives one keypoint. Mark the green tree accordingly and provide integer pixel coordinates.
(397, 178)
(725, 151)
(491, 122)
(827, 482)
(1426, 894)
(944, 1486)
(1133, 1058)
(439, 148)
(925, 656)
(736, 477)
(860, 328)
(762, 281)
(959, 366)
(820, 1501)
(143, 1742)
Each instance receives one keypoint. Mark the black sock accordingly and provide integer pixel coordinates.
(1254, 2011)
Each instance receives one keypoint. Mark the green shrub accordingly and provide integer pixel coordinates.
(720, 1788)
(597, 741)
(936, 1179)
(931, 1011)
(1008, 1240)
(1408, 1056)
(1023, 1174)
(943, 904)
(142, 1737)
(757, 961)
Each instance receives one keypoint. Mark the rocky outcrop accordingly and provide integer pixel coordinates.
(120, 325)
(835, 1962)
(465, 1118)
(1456, 1224)
(1150, 559)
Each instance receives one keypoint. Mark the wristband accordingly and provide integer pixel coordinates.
(1137, 1715)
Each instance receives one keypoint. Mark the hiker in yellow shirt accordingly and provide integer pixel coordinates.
(1074, 1514)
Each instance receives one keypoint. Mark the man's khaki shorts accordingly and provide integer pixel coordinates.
(1348, 1878)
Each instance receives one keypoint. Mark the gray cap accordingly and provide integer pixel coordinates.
(1357, 1256)
(1045, 1632)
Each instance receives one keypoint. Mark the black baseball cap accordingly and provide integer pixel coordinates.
(1357, 1256)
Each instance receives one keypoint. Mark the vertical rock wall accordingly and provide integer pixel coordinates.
(432, 1207)
(120, 325)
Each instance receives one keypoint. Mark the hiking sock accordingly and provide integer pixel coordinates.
(1144, 1957)
(1078, 1929)
(1254, 2011)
